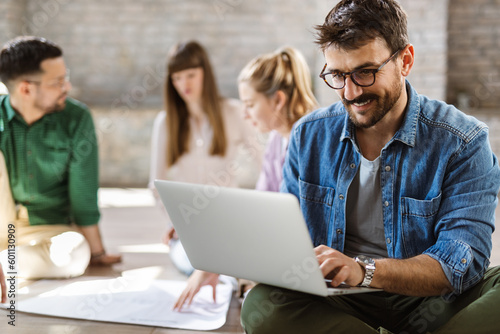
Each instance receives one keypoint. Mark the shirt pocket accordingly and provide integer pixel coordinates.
(418, 221)
(316, 204)
(56, 163)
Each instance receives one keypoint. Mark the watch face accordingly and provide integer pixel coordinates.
(369, 266)
(364, 259)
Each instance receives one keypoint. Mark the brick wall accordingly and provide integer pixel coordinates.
(427, 25)
(12, 19)
(113, 47)
(124, 143)
(474, 54)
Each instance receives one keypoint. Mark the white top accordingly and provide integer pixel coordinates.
(238, 168)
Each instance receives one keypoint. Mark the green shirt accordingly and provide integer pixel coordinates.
(52, 164)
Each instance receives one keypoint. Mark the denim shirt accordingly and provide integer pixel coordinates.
(439, 181)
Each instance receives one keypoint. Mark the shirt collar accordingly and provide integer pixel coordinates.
(8, 109)
(10, 114)
(407, 132)
(6, 113)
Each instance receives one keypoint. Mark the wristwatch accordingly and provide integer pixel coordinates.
(369, 265)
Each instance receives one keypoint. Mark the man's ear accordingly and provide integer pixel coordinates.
(408, 59)
(22, 88)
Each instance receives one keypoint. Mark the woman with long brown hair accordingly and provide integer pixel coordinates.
(200, 137)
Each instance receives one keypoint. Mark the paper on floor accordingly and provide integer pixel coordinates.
(126, 300)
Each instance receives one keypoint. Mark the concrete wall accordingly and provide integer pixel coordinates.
(116, 52)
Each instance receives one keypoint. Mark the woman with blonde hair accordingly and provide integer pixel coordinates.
(276, 91)
(200, 137)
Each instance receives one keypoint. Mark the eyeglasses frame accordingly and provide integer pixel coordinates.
(58, 84)
(322, 75)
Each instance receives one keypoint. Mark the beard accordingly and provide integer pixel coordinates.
(56, 106)
(59, 106)
(382, 105)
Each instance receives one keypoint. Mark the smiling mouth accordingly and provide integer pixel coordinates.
(361, 101)
(360, 104)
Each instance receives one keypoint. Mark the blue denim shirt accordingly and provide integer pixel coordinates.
(439, 181)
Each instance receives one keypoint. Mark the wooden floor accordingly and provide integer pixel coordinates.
(135, 231)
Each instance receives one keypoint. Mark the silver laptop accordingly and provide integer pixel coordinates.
(260, 236)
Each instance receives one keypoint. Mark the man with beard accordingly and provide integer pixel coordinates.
(398, 191)
(48, 167)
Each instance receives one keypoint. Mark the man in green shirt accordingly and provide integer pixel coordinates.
(48, 166)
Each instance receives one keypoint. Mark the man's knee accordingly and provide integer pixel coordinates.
(260, 311)
(61, 256)
(493, 273)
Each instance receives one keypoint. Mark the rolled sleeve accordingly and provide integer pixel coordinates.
(467, 214)
(455, 258)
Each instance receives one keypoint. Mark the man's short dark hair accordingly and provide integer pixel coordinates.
(23, 55)
(353, 23)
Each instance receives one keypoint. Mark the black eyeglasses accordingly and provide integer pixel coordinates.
(362, 77)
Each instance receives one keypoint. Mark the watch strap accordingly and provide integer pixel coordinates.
(369, 267)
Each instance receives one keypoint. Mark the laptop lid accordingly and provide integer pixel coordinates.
(260, 236)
